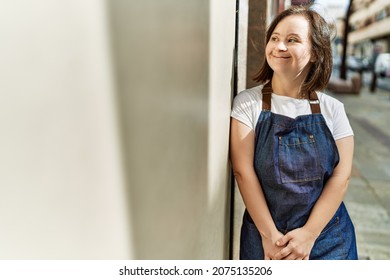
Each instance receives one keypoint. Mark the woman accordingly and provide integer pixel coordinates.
(292, 148)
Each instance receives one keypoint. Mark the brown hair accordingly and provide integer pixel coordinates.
(320, 35)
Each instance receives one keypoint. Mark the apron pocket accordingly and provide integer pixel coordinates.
(298, 159)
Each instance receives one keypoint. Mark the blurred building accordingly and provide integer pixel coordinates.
(370, 28)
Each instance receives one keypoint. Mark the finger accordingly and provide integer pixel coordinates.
(282, 253)
(290, 257)
(284, 240)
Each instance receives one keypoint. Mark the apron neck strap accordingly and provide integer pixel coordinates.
(266, 100)
(314, 103)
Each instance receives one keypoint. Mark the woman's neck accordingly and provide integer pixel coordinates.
(287, 87)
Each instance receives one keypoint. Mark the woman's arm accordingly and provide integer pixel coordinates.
(242, 146)
(301, 241)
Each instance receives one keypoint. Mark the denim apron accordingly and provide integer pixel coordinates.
(293, 160)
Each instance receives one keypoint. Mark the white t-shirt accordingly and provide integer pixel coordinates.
(248, 103)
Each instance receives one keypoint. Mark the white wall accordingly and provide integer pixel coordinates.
(174, 71)
(221, 87)
(115, 125)
(61, 186)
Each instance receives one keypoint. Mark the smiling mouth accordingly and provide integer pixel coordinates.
(282, 57)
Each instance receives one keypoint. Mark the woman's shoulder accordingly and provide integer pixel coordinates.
(247, 106)
(250, 95)
(335, 116)
(328, 101)
(332, 109)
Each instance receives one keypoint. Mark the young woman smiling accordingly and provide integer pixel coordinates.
(292, 148)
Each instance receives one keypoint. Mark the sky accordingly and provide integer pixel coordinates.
(333, 1)
(324, 4)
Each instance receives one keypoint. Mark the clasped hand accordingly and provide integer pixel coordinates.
(295, 245)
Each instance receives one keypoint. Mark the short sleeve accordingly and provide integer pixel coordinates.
(245, 108)
(341, 125)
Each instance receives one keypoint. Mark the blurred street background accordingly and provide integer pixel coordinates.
(365, 92)
(368, 196)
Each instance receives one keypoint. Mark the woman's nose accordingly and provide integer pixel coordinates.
(281, 46)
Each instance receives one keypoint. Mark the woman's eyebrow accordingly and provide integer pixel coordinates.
(294, 34)
(289, 34)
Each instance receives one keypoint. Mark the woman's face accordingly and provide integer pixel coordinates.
(288, 52)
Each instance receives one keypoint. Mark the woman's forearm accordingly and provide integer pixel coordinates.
(327, 205)
(255, 203)
(242, 141)
(334, 190)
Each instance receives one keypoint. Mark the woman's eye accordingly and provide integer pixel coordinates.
(274, 39)
(292, 40)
